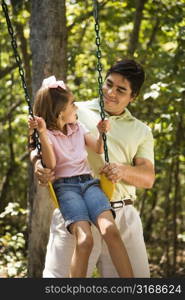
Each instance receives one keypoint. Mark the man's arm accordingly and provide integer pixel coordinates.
(141, 175)
(43, 174)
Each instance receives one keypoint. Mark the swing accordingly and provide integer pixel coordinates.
(106, 185)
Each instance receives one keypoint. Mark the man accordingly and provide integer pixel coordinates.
(130, 146)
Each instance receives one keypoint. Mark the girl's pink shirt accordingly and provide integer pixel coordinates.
(70, 151)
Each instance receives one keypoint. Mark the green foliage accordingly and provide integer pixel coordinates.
(13, 241)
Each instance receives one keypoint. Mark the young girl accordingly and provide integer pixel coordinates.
(82, 202)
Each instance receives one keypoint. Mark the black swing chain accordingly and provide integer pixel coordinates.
(99, 69)
(35, 135)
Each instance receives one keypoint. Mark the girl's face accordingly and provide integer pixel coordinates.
(69, 114)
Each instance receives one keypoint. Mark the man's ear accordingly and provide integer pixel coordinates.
(133, 98)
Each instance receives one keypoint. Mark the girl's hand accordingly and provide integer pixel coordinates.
(103, 126)
(37, 123)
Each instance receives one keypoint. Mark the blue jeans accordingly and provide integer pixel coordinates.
(80, 198)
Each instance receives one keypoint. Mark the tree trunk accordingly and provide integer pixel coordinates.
(19, 27)
(175, 216)
(166, 253)
(48, 40)
(49, 57)
(134, 37)
(177, 190)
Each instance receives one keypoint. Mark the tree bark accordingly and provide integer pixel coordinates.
(7, 70)
(48, 40)
(23, 42)
(134, 37)
(49, 57)
(177, 190)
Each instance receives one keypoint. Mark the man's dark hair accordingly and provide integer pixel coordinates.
(132, 71)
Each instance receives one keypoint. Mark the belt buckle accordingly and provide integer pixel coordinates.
(118, 204)
(124, 204)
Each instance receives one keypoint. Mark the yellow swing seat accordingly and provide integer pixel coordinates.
(106, 185)
(53, 195)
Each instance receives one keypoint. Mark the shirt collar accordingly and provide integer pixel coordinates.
(94, 105)
(71, 128)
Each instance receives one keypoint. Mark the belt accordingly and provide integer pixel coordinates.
(75, 179)
(121, 203)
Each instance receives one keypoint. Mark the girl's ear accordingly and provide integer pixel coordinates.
(60, 117)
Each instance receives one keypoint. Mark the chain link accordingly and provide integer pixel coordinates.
(35, 135)
(99, 69)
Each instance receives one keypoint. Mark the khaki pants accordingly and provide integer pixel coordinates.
(61, 243)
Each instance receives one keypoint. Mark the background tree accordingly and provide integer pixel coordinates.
(49, 56)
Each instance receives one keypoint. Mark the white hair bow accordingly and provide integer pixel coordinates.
(52, 83)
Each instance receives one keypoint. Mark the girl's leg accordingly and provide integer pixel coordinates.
(110, 233)
(83, 247)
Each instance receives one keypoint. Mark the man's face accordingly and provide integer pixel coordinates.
(116, 94)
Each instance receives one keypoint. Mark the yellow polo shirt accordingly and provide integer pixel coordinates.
(127, 139)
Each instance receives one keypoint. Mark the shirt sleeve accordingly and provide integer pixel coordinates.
(146, 148)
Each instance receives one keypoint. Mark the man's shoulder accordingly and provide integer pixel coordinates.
(141, 124)
(88, 113)
(89, 104)
(82, 127)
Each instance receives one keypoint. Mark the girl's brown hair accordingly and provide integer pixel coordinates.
(48, 104)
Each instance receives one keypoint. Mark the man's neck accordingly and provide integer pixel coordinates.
(115, 114)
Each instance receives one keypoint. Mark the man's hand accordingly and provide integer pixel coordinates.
(140, 175)
(43, 174)
(113, 171)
